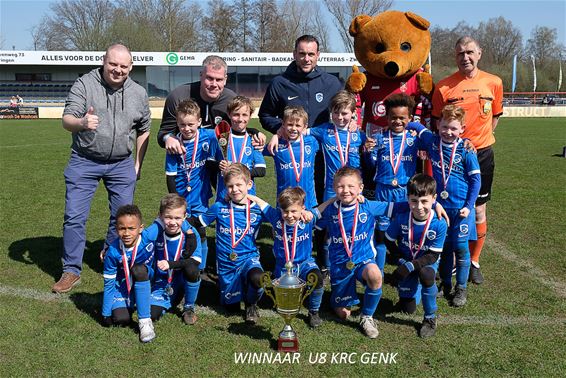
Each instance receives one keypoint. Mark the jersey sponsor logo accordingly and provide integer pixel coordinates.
(319, 97)
(403, 158)
(343, 299)
(338, 240)
(307, 164)
(363, 217)
(300, 238)
(198, 164)
(378, 109)
(237, 231)
(431, 235)
(234, 294)
(205, 146)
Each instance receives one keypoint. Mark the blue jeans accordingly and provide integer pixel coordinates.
(81, 180)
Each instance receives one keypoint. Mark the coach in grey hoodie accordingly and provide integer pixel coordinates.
(107, 114)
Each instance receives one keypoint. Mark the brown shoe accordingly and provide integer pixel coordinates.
(66, 283)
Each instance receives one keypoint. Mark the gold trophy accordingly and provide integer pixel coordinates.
(287, 297)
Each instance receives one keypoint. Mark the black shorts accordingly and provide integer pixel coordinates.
(486, 159)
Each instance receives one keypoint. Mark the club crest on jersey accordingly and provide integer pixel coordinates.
(149, 247)
(363, 217)
(457, 158)
(248, 151)
(217, 120)
(253, 218)
(308, 150)
(464, 229)
(410, 142)
(205, 146)
(378, 109)
(319, 97)
(355, 137)
(431, 235)
(278, 225)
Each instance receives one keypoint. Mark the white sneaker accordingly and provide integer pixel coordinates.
(147, 332)
(369, 327)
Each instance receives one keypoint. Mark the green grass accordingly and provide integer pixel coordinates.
(513, 325)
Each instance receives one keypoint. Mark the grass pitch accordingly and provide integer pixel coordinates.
(513, 325)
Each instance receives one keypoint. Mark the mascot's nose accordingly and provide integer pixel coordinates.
(391, 69)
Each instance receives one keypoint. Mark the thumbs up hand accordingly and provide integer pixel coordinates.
(90, 120)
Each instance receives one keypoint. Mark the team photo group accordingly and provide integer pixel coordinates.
(385, 175)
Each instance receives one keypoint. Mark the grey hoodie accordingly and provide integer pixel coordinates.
(122, 113)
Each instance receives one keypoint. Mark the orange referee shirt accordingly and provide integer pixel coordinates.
(482, 99)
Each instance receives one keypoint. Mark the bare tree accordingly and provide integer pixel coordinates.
(344, 11)
(76, 25)
(246, 28)
(220, 25)
(500, 40)
(544, 45)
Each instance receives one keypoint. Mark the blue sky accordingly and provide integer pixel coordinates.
(17, 17)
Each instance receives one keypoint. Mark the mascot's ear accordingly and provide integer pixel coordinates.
(358, 23)
(415, 19)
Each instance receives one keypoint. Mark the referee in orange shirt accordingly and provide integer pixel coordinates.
(480, 94)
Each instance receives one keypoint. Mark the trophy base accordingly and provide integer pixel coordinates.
(287, 341)
(287, 345)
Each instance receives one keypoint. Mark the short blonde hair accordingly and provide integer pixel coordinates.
(346, 171)
(239, 101)
(343, 99)
(453, 112)
(189, 107)
(291, 196)
(295, 112)
(237, 170)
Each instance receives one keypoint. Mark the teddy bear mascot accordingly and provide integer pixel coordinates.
(392, 47)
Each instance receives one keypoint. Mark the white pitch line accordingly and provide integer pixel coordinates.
(486, 320)
(538, 274)
(35, 145)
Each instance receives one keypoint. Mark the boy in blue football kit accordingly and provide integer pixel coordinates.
(295, 155)
(127, 268)
(393, 156)
(186, 173)
(237, 258)
(350, 226)
(293, 242)
(340, 148)
(457, 174)
(419, 235)
(236, 144)
(175, 250)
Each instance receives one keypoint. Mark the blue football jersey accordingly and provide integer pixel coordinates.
(459, 177)
(287, 173)
(339, 150)
(398, 231)
(193, 174)
(226, 234)
(381, 158)
(363, 247)
(237, 152)
(303, 237)
(113, 271)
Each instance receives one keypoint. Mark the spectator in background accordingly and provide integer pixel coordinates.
(20, 100)
(107, 113)
(13, 102)
(480, 94)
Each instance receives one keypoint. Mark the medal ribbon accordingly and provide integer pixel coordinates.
(349, 248)
(233, 226)
(395, 165)
(189, 170)
(290, 256)
(412, 234)
(125, 262)
(343, 155)
(233, 148)
(445, 177)
(177, 254)
(299, 171)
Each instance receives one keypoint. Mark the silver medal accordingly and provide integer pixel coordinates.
(444, 194)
